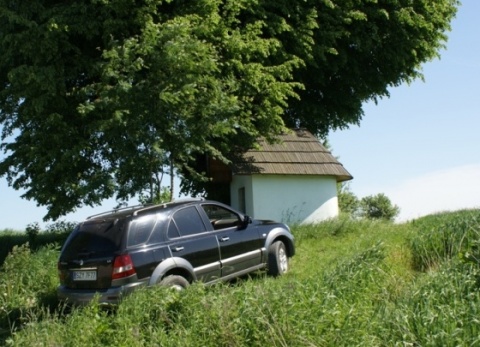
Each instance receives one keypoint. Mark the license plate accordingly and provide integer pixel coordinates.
(84, 275)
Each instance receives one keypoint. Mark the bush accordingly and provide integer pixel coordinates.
(8, 239)
(348, 202)
(32, 230)
(61, 227)
(378, 207)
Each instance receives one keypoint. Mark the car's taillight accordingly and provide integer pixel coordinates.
(122, 267)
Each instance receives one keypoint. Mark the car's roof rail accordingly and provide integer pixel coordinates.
(153, 207)
(116, 210)
(188, 199)
(166, 204)
(145, 207)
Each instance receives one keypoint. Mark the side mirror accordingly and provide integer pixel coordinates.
(245, 221)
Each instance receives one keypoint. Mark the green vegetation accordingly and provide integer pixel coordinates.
(352, 283)
(376, 206)
(55, 233)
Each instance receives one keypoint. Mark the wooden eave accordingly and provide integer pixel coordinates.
(296, 153)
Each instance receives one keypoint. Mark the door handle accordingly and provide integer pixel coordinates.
(224, 239)
(178, 249)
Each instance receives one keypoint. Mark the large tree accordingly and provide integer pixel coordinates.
(99, 97)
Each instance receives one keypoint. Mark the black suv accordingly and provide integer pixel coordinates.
(171, 244)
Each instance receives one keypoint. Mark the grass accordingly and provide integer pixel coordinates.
(352, 283)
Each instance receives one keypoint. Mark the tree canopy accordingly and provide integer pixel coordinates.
(98, 98)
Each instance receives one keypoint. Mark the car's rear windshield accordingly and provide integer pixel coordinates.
(94, 238)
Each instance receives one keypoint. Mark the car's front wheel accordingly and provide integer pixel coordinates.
(277, 259)
(175, 282)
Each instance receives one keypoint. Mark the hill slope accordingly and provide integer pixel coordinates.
(351, 283)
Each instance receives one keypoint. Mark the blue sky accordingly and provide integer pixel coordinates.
(420, 147)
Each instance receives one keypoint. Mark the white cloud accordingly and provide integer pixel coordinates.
(445, 190)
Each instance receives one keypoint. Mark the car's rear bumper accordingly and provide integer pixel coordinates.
(108, 296)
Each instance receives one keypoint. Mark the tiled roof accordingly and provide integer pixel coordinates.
(296, 153)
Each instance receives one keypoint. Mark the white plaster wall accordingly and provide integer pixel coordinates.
(240, 181)
(290, 199)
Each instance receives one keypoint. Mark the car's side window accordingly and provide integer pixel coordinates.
(140, 230)
(188, 221)
(158, 231)
(172, 231)
(220, 217)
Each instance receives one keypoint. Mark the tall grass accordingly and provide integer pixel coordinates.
(255, 312)
(10, 238)
(441, 309)
(27, 281)
(352, 283)
(438, 238)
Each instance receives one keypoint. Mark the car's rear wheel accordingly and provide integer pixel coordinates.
(175, 282)
(277, 259)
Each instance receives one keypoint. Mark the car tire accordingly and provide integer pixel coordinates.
(277, 259)
(175, 282)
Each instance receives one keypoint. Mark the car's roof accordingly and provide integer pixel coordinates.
(125, 212)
